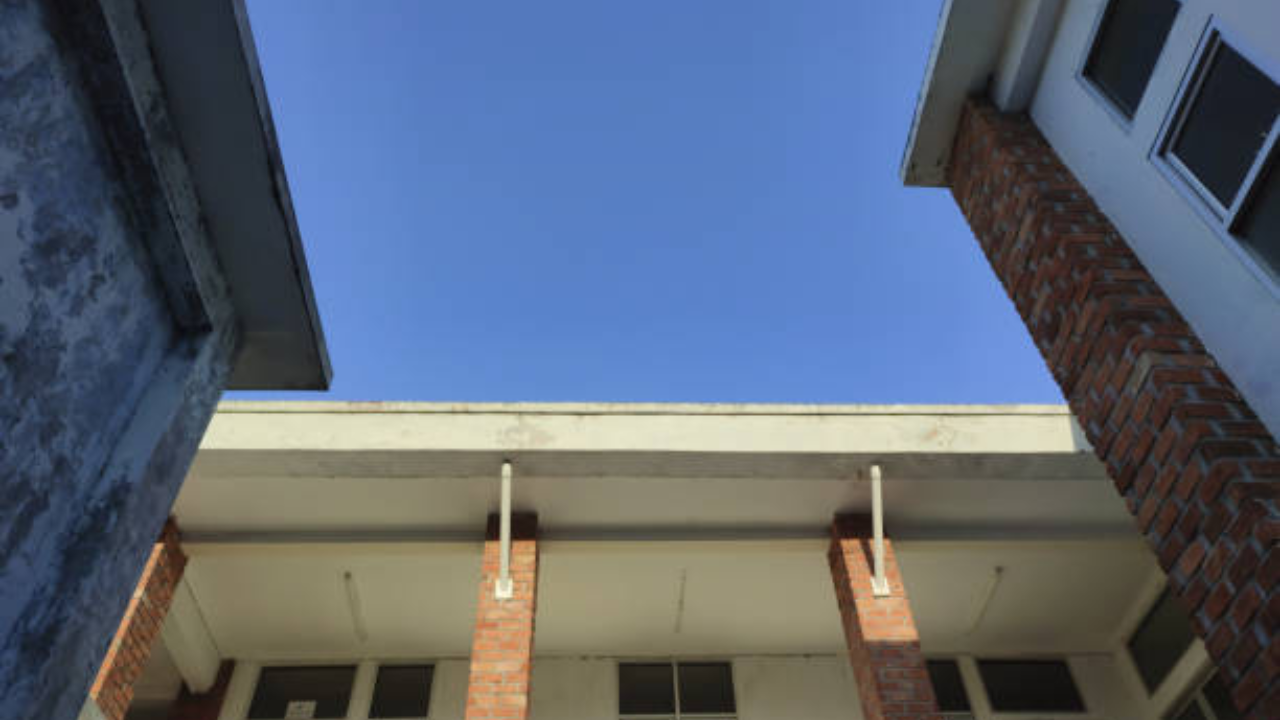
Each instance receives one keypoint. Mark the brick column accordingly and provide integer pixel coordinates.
(127, 655)
(502, 647)
(1199, 472)
(884, 647)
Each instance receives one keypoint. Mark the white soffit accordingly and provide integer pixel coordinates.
(967, 48)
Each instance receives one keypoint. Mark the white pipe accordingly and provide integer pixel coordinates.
(879, 583)
(503, 589)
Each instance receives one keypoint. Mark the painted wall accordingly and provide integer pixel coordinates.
(1235, 311)
(103, 393)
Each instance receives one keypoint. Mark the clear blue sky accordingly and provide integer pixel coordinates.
(630, 200)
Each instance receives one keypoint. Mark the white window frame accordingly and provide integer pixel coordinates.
(1197, 697)
(1221, 219)
(1097, 93)
(675, 688)
(245, 677)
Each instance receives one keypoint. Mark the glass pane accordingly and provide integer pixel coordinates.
(1215, 691)
(1127, 46)
(706, 688)
(329, 688)
(1160, 641)
(1228, 120)
(1030, 686)
(1260, 225)
(947, 686)
(646, 689)
(401, 691)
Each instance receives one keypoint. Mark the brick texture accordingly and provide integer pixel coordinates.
(1198, 471)
(884, 647)
(206, 705)
(502, 646)
(127, 655)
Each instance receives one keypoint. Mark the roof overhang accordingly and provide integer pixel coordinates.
(205, 57)
(421, 471)
(990, 47)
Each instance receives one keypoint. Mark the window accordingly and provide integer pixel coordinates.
(1222, 146)
(309, 692)
(1160, 640)
(402, 691)
(948, 688)
(1030, 686)
(1126, 45)
(1211, 702)
(676, 690)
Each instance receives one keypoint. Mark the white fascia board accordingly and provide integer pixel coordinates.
(967, 49)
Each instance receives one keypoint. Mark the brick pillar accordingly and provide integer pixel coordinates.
(502, 647)
(1199, 472)
(884, 647)
(127, 655)
(206, 705)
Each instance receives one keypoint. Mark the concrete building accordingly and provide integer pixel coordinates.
(149, 258)
(1118, 162)
(344, 560)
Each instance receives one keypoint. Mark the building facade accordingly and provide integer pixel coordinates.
(1117, 161)
(149, 258)
(345, 561)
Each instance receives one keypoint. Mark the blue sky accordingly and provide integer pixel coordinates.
(630, 200)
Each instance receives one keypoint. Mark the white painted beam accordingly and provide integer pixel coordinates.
(189, 641)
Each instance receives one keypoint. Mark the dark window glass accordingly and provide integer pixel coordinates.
(1229, 118)
(1160, 640)
(328, 687)
(1030, 686)
(1215, 691)
(1126, 48)
(1260, 224)
(706, 688)
(646, 689)
(401, 691)
(947, 686)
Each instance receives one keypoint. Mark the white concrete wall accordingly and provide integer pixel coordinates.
(1234, 310)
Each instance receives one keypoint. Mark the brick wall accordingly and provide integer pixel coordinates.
(1196, 468)
(502, 645)
(131, 647)
(884, 647)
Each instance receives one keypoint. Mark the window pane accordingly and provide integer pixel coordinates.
(1160, 641)
(1260, 225)
(1030, 686)
(1220, 700)
(706, 688)
(1126, 48)
(1227, 122)
(646, 689)
(947, 686)
(402, 691)
(328, 687)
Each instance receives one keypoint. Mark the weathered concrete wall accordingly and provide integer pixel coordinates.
(106, 384)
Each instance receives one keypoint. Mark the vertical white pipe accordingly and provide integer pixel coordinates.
(879, 583)
(503, 589)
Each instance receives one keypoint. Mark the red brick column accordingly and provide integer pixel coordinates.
(206, 705)
(1199, 472)
(502, 647)
(131, 647)
(884, 647)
